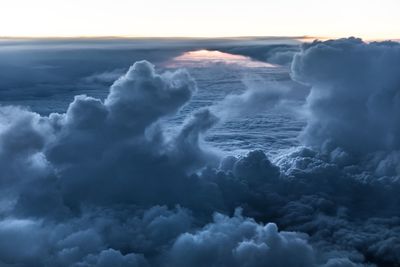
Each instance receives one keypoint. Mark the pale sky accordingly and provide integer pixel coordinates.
(369, 19)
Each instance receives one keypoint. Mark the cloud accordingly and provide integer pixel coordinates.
(240, 241)
(45, 74)
(85, 240)
(111, 257)
(102, 184)
(123, 148)
(87, 182)
(104, 77)
(354, 101)
(260, 95)
(280, 54)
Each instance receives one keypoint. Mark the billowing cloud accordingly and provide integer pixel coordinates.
(260, 95)
(354, 102)
(103, 185)
(239, 241)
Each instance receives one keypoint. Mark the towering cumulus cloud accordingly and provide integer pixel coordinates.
(355, 100)
(353, 157)
(103, 184)
(121, 148)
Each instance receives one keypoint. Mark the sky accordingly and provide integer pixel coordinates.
(208, 18)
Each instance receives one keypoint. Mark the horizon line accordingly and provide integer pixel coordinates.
(88, 37)
(149, 37)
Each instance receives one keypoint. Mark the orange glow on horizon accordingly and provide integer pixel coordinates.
(201, 57)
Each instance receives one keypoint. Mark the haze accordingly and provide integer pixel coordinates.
(179, 18)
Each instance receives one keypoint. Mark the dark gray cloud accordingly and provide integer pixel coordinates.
(104, 185)
(85, 182)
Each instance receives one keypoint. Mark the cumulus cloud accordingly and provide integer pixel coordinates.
(111, 135)
(86, 240)
(354, 100)
(111, 257)
(259, 96)
(240, 241)
(85, 182)
(101, 184)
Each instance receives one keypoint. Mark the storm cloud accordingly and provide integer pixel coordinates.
(105, 184)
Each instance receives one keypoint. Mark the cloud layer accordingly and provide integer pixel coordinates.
(104, 185)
